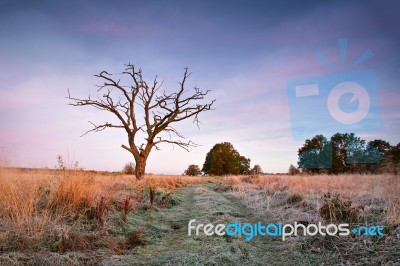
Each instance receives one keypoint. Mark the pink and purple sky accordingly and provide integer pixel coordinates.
(243, 51)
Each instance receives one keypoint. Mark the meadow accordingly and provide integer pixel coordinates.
(354, 199)
(77, 217)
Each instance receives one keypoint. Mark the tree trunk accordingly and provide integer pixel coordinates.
(140, 167)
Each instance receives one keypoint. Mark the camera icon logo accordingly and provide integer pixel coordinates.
(343, 102)
(359, 94)
(339, 102)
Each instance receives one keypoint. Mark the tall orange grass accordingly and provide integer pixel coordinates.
(19, 203)
(33, 202)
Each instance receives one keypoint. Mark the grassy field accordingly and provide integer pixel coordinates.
(76, 217)
(354, 199)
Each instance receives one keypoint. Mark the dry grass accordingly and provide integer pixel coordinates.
(62, 210)
(362, 189)
(376, 184)
(20, 199)
(354, 199)
(170, 183)
(70, 210)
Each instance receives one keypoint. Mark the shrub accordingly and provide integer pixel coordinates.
(256, 170)
(336, 209)
(193, 170)
(129, 168)
(295, 198)
(293, 170)
(136, 238)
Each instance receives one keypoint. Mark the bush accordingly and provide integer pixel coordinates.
(256, 170)
(129, 168)
(295, 198)
(136, 238)
(336, 209)
(193, 170)
(293, 170)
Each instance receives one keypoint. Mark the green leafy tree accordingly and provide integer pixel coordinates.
(316, 155)
(339, 144)
(223, 159)
(193, 170)
(358, 156)
(383, 146)
(389, 155)
(347, 154)
(385, 153)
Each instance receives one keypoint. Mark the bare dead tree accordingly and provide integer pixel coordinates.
(160, 112)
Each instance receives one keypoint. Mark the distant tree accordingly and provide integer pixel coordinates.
(293, 170)
(316, 155)
(127, 96)
(193, 170)
(341, 149)
(391, 160)
(129, 168)
(256, 170)
(396, 159)
(223, 159)
(385, 153)
(374, 157)
(383, 146)
(348, 154)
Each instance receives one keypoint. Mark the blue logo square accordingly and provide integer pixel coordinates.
(340, 102)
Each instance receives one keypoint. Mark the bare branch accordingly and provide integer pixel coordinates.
(161, 110)
(97, 128)
(181, 144)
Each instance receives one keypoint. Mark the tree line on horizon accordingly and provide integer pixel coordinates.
(343, 153)
(347, 153)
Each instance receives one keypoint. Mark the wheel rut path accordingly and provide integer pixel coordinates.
(205, 204)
